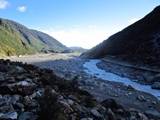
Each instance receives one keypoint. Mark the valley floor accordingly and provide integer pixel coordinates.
(71, 67)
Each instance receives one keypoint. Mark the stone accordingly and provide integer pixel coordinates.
(96, 113)
(156, 85)
(141, 98)
(155, 78)
(65, 103)
(9, 115)
(2, 77)
(87, 119)
(120, 111)
(70, 102)
(15, 98)
(130, 88)
(20, 69)
(22, 87)
(37, 94)
(142, 116)
(19, 106)
(3, 68)
(6, 108)
(152, 113)
(74, 98)
(111, 114)
(29, 102)
(111, 103)
(27, 116)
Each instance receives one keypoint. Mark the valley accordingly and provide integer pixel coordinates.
(85, 65)
(100, 84)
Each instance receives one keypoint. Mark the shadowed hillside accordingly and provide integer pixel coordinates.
(139, 42)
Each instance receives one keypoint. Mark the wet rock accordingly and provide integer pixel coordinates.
(156, 85)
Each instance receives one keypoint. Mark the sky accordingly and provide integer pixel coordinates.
(83, 23)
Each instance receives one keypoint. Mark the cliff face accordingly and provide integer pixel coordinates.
(140, 40)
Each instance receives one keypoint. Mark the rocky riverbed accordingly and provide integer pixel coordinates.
(30, 93)
(135, 73)
(72, 69)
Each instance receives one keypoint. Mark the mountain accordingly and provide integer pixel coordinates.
(16, 39)
(139, 41)
(78, 49)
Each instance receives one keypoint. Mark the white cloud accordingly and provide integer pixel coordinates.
(4, 4)
(86, 37)
(22, 8)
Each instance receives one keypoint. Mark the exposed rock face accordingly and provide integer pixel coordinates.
(30, 93)
(140, 41)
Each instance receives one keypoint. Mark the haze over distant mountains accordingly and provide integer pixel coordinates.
(78, 49)
(140, 41)
(16, 39)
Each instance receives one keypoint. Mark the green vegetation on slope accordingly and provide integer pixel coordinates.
(16, 39)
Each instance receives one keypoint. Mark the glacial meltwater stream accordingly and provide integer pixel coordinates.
(92, 69)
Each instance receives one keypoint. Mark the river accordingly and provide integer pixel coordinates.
(92, 69)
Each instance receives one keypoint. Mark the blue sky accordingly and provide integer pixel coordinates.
(82, 23)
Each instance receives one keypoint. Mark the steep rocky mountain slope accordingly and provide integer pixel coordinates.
(16, 39)
(138, 42)
(30, 93)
